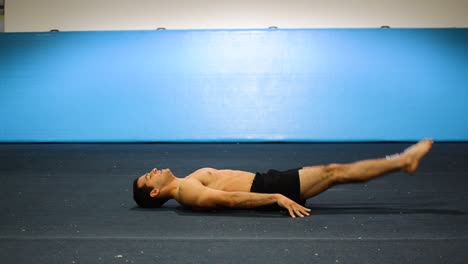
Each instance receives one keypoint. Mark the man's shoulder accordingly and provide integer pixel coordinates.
(189, 190)
(189, 183)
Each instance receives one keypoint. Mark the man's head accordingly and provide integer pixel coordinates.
(148, 187)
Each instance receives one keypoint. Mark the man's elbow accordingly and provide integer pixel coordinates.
(232, 200)
(225, 200)
(231, 203)
(215, 203)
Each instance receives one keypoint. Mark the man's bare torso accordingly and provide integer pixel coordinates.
(223, 180)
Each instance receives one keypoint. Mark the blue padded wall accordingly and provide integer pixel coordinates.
(234, 85)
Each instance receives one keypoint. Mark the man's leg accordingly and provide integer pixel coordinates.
(317, 179)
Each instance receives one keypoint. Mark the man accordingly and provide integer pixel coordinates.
(209, 188)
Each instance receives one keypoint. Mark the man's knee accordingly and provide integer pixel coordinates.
(336, 173)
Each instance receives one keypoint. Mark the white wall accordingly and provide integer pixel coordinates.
(73, 15)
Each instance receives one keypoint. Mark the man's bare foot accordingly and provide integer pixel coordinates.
(413, 155)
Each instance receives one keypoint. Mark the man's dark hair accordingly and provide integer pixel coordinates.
(142, 197)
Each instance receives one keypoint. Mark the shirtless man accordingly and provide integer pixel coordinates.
(209, 188)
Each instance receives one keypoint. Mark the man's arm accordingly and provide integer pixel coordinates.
(193, 193)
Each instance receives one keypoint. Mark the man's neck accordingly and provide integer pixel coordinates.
(171, 189)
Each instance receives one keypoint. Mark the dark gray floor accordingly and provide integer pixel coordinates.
(71, 203)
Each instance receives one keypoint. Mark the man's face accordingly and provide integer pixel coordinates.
(153, 178)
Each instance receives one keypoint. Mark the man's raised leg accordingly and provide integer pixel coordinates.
(317, 179)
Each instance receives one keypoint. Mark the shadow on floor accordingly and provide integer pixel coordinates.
(322, 210)
(316, 210)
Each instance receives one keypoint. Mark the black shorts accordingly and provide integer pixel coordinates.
(286, 183)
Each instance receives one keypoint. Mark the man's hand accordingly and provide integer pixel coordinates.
(293, 207)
